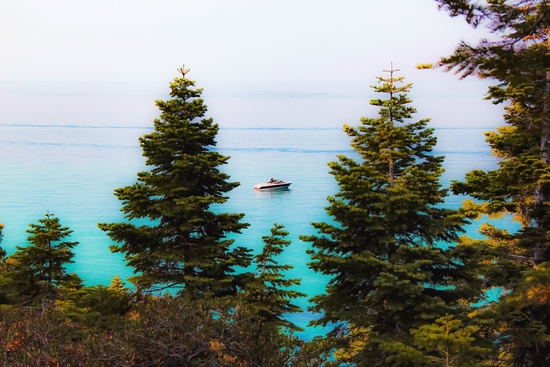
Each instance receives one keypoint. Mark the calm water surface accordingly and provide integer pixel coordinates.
(72, 172)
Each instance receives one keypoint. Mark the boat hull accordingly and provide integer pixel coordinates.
(276, 185)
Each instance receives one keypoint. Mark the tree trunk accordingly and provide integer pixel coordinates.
(542, 196)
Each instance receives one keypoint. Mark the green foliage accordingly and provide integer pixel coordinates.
(387, 256)
(472, 10)
(268, 293)
(96, 308)
(220, 332)
(449, 342)
(522, 27)
(40, 268)
(521, 319)
(180, 242)
(522, 179)
(520, 188)
(164, 331)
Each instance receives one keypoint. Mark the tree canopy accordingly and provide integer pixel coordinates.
(270, 291)
(516, 262)
(173, 238)
(388, 254)
(41, 267)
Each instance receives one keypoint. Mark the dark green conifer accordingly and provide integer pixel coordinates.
(269, 292)
(180, 240)
(515, 189)
(40, 268)
(387, 254)
(518, 59)
(519, 62)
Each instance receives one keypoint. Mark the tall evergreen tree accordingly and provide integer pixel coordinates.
(387, 255)
(268, 292)
(41, 267)
(515, 189)
(519, 60)
(181, 242)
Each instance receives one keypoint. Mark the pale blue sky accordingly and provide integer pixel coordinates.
(261, 63)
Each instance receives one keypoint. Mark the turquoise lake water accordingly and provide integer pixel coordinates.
(72, 171)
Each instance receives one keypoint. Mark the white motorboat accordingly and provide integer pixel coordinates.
(272, 184)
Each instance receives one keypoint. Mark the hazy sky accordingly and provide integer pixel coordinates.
(277, 63)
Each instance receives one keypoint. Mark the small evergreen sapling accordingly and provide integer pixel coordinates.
(41, 267)
(269, 292)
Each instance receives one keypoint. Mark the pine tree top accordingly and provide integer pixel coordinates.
(47, 231)
(393, 108)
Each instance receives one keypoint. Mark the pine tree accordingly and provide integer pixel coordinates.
(117, 285)
(514, 189)
(449, 343)
(520, 188)
(180, 241)
(41, 267)
(388, 256)
(95, 307)
(519, 61)
(268, 293)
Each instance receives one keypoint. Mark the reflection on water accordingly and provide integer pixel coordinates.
(272, 192)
